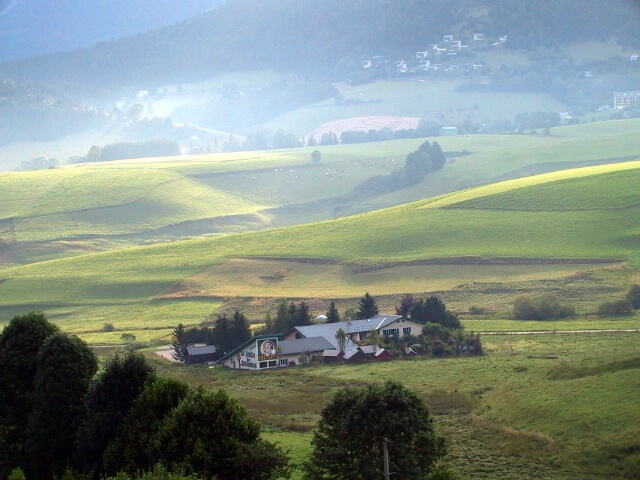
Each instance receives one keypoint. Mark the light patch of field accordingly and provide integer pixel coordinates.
(364, 124)
(282, 278)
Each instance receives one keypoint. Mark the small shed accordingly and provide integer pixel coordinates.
(332, 356)
(355, 356)
(445, 131)
(200, 354)
(377, 353)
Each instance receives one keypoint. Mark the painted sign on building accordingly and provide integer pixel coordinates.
(267, 349)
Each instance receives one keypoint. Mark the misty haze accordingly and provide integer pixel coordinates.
(319, 239)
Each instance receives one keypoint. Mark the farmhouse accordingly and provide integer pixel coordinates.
(257, 353)
(271, 351)
(311, 343)
(358, 330)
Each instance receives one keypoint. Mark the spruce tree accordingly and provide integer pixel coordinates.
(179, 343)
(367, 307)
(239, 331)
(333, 316)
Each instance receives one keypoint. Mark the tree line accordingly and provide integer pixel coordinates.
(59, 416)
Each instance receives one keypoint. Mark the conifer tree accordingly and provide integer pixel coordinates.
(333, 316)
(367, 307)
(179, 343)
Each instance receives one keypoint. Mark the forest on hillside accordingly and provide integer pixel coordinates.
(309, 37)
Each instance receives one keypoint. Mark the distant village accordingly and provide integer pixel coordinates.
(448, 56)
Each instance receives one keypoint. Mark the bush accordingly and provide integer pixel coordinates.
(474, 310)
(108, 327)
(634, 296)
(546, 307)
(616, 307)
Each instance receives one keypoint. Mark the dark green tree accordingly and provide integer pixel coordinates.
(222, 333)
(634, 296)
(292, 315)
(434, 310)
(110, 397)
(405, 305)
(134, 449)
(281, 323)
(210, 433)
(348, 444)
(333, 316)
(367, 307)
(239, 330)
(316, 156)
(179, 343)
(19, 344)
(438, 158)
(417, 164)
(303, 315)
(66, 365)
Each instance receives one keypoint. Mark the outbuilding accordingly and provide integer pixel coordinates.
(199, 354)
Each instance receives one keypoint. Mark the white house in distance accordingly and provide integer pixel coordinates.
(358, 330)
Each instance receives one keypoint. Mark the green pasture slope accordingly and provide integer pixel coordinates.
(90, 208)
(146, 290)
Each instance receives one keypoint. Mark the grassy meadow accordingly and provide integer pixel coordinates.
(479, 247)
(90, 208)
(537, 406)
(560, 405)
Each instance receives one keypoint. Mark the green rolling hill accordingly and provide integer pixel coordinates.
(90, 208)
(540, 227)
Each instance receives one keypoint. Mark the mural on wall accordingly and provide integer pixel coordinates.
(247, 358)
(267, 349)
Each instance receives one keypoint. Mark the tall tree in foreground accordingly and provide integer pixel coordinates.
(66, 365)
(19, 344)
(348, 444)
(367, 307)
(210, 433)
(110, 397)
(133, 448)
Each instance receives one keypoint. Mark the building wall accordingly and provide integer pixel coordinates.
(404, 326)
(258, 355)
(301, 358)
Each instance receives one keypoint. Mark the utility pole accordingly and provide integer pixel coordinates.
(387, 474)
